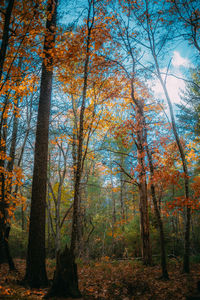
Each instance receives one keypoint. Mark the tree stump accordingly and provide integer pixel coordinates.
(65, 281)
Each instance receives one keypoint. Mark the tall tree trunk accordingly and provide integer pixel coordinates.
(186, 259)
(35, 264)
(140, 143)
(122, 199)
(144, 214)
(4, 205)
(13, 141)
(114, 218)
(144, 222)
(10, 166)
(3, 228)
(65, 282)
(151, 38)
(157, 212)
(79, 166)
(5, 37)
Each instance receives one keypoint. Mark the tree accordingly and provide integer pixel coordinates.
(188, 14)
(65, 282)
(35, 267)
(5, 37)
(16, 43)
(56, 190)
(4, 224)
(188, 115)
(156, 209)
(91, 77)
(149, 19)
(127, 62)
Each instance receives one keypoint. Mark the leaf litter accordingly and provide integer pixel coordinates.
(107, 279)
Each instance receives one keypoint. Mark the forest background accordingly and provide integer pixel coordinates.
(99, 150)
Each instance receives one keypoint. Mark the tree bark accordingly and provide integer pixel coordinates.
(65, 281)
(4, 194)
(152, 44)
(186, 258)
(5, 38)
(35, 265)
(144, 214)
(78, 171)
(3, 206)
(10, 166)
(80, 161)
(157, 212)
(122, 198)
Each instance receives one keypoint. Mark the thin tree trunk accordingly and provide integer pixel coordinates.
(157, 212)
(122, 201)
(4, 201)
(151, 37)
(144, 214)
(65, 282)
(5, 223)
(78, 172)
(10, 169)
(22, 218)
(13, 141)
(114, 219)
(186, 259)
(10, 166)
(5, 37)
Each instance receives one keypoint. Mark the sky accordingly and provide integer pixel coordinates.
(179, 66)
(180, 63)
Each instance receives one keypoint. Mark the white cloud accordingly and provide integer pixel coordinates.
(174, 87)
(179, 61)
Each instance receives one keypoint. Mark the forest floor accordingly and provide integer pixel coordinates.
(117, 280)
